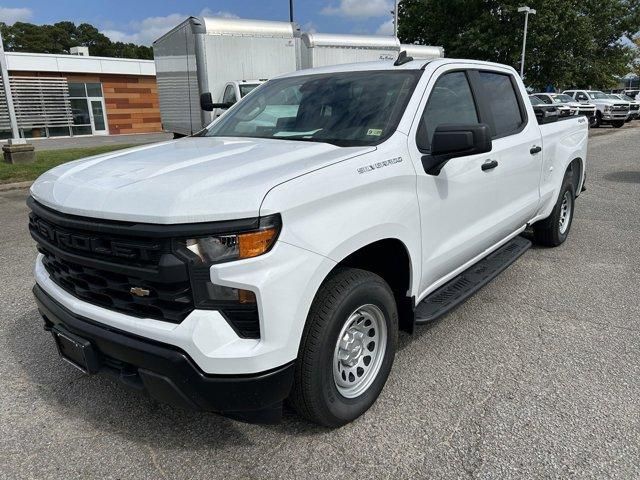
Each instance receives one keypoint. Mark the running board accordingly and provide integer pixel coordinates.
(458, 289)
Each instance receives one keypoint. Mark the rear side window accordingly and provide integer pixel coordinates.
(451, 101)
(501, 97)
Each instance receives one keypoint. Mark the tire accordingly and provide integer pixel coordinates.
(617, 123)
(597, 121)
(348, 297)
(551, 232)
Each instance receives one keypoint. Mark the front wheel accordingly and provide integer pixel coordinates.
(347, 348)
(553, 230)
(617, 123)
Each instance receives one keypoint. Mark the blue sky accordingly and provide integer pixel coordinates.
(142, 21)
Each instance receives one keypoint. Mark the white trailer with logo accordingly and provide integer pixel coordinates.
(205, 54)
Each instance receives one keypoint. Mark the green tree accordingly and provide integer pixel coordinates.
(61, 36)
(570, 43)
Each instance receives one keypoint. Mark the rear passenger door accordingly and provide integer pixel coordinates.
(466, 209)
(517, 146)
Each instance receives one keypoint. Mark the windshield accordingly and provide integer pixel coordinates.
(246, 88)
(598, 95)
(345, 109)
(613, 97)
(536, 101)
(561, 98)
(626, 97)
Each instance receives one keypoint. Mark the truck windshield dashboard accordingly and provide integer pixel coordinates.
(344, 109)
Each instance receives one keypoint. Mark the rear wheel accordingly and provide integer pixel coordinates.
(347, 348)
(617, 123)
(553, 231)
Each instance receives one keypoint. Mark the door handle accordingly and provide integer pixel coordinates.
(489, 165)
(535, 149)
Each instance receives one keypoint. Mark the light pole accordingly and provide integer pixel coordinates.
(526, 11)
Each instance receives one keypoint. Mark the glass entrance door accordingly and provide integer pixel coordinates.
(98, 118)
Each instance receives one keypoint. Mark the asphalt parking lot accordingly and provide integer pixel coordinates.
(536, 376)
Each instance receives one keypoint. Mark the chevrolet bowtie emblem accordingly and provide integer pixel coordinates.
(139, 291)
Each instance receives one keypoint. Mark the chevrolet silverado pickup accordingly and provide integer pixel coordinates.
(608, 110)
(276, 254)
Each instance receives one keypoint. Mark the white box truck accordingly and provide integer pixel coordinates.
(325, 49)
(205, 54)
(206, 64)
(422, 52)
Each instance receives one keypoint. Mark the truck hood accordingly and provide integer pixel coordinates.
(194, 179)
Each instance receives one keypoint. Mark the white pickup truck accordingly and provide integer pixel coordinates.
(278, 253)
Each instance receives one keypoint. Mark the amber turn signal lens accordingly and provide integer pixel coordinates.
(256, 243)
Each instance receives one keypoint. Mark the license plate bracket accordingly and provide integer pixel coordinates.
(76, 350)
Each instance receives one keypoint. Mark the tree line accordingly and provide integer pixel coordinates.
(570, 43)
(61, 36)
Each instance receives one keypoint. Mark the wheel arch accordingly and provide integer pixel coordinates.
(576, 169)
(390, 259)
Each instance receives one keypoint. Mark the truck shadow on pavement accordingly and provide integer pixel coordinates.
(110, 407)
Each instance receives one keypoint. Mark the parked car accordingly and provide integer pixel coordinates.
(634, 105)
(633, 93)
(544, 112)
(586, 109)
(565, 109)
(259, 261)
(608, 110)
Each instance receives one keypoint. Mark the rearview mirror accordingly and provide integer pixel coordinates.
(456, 140)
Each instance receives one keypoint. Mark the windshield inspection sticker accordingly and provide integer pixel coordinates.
(384, 163)
(375, 132)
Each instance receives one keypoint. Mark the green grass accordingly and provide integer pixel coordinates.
(47, 159)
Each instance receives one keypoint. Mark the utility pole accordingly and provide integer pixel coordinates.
(291, 11)
(395, 18)
(526, 11)
(7, 93)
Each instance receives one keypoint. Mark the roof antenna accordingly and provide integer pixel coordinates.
(402, 59)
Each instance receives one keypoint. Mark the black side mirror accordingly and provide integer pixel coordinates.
(206, 103)
(453, 140)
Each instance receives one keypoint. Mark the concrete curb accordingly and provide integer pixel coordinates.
(14, 186)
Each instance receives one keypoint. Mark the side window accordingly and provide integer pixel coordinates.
(545, 99)
(451, 101)
(502, 99)
(229, 95)
(582, 97)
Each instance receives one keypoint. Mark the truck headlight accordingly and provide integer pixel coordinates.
(235, 246)
(238, 306)
(607, 108)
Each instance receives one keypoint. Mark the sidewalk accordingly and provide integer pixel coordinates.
(59, 143)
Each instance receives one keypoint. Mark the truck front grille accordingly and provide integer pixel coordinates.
(127, 272)
(170, 302)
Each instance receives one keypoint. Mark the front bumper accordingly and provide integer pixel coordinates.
(168, 374)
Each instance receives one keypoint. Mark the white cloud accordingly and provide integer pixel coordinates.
(13, 15)
(207, 12)
(360, 8)
(309, 27)
(144, 32)
(386, 28)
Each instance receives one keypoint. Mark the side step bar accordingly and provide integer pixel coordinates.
(458, 289)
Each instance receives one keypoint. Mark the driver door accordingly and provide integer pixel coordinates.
(458, 206)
